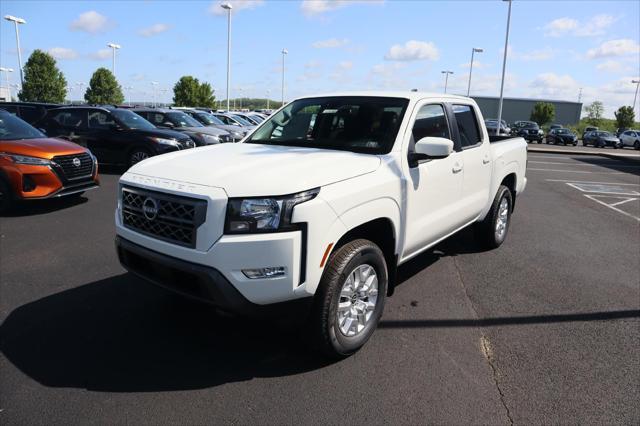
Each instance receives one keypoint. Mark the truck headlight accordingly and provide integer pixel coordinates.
(25, 159)
(209, 139)
(263, 214)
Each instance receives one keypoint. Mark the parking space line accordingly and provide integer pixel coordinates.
(592, 197)
(610, 190)
(585, 164)
(585, 181)
(576, 171)
(623, 201)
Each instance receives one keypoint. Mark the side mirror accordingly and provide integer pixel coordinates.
(114, 126)
(430, 148)
(42, 130)
(168, 124)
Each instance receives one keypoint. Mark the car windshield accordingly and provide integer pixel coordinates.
(13, 128)
(180, 119)
(208, 118)
(358, 124)
(604, 134)
(242, 120)
(563, 131)
(131, 120)
(256, 118)
(530, 125)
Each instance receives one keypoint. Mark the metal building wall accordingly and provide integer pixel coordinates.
(514, 109)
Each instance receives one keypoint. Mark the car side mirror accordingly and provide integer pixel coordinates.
(42, 130)
(168, 124)
(430, 148)
(115, 126)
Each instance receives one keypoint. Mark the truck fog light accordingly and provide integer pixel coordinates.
(253, 274)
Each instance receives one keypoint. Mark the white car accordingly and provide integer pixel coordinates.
(630, 138)
(319, 206)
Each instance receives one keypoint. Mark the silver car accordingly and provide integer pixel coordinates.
(177, 120)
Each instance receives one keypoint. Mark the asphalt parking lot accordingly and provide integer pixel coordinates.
(543, 330)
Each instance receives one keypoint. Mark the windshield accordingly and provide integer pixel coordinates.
(359, 124)
(242, 120)
(180, 119)
(563, 132)
(13, 128)
(256, 118)
(604, 134)
(530, 125)
(131, 120)
(208, 118)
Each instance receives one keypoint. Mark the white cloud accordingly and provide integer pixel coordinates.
(331, 43)
(237, 6)
(413, 50)
(611, 48)
(155, 29)
(101, 54)
(477, 65)
(345, 65)
(553, 85)
(319, 7)
(613, 67)
(63, 53)
(568, 26)
(537, 55)
(559, 27)
(91, 22)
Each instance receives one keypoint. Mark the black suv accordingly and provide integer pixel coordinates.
(179, 121)
(114, 135)
(28, 111)
(529, 130)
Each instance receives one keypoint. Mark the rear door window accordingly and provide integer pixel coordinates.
(100, 120)
(467, 125)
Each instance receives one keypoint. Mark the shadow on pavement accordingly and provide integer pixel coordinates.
(631, 167)
(38, 207)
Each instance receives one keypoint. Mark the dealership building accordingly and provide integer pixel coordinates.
(515, 109)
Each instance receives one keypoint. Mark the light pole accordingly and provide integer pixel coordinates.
(284, 53)
(113, 47)
(635, 97)
(473, 51)
(6, 72)
(128, 90)
(268, 94)
(240, 90)
(79, 85)
(504, 67)
(153, 86)
(17, 21)
(446, 79)
(228, 7)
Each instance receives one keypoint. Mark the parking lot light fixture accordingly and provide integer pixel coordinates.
(6, 72)
(446, 79)
(153, 85)
(504, 67)
(113, 47)
(17, 21)
(228, 8)
(284, 53)
(473, 51)
(635, 97)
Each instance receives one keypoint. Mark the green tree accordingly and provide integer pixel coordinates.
(103, 88)
(625, 117)
(43, 81)
(188, 91)
(543, 113)
(205, 96)
(594, 112)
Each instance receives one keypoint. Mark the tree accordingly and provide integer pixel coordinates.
(625, 117)
(189, 92)
(103, 88)
(543, 113)
(43, 81)
(594, 112)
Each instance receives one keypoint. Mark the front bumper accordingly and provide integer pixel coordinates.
(46, 181)
(195, 281)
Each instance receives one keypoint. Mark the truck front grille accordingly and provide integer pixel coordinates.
(167, 217)
(75, 166)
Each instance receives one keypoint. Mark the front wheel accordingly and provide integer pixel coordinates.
(492, 231)
(636, 145)
(137, 155)
(350, 298)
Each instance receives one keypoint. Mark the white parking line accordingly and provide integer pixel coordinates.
(585, 164)
(607, 188)
(575, 171)
(585, 181)
(611, 206)
(623, 201)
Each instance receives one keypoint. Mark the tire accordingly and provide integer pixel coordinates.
(487, 232)
(636, 145)
(6, 197)
(137, 155)
(332, 328)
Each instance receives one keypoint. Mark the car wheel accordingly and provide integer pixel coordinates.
(636, 145)
(492, 231)
(6, 197)
(350, 298)
(137, 155)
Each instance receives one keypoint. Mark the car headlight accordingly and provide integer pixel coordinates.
(24, 159)
(264, 214)
(164, 141)
(209, 138)
(540, 132)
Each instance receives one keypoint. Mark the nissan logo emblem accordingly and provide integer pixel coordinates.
(76, 162)
(150, 208)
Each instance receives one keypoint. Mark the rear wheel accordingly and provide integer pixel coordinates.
(350, 298)
(492, 231)
(6, 197)
(636, 145)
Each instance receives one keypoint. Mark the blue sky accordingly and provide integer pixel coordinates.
(555, 48)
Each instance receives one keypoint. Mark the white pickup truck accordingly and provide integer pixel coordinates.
(319, 205)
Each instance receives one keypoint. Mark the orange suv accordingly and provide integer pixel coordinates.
(33, 166)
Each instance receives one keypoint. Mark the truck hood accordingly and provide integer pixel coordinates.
(249, 170)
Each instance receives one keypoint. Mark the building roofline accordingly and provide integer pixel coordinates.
(528, 100)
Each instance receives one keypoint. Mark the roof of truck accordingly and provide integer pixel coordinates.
(411, 95)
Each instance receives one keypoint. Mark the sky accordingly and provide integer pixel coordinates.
(557, 49)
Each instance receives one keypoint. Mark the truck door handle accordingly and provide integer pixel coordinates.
(486, 160)
(456, 169)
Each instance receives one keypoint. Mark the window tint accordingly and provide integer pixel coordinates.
(156, 118)
(100, 120)
(10, 108)
(431, 121)
(30, 114)
(70, 118)
(467, 125)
